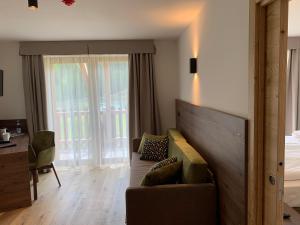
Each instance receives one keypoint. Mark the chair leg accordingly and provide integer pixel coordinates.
(55, 174)
(35, 180)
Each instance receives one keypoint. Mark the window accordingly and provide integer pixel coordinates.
(87, 99)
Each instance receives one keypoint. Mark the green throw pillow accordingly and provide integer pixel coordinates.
(155, 150)
(164, 163)
(168, 174)
(150, 137)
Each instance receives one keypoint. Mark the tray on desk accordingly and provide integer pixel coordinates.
(6, 144)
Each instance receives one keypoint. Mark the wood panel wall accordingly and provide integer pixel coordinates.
(221, 139)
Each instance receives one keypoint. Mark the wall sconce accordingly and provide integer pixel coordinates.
(33, 4)
(193, 65)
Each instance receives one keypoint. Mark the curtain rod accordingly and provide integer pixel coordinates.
(86, 47)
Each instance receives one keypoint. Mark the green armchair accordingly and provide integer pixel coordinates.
(41, 153)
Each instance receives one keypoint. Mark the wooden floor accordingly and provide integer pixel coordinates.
(87, 197)
(295, 216)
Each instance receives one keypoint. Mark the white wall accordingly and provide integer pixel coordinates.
(166, 62)
(219, 38)
(12, 104)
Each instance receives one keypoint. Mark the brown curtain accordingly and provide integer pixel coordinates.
(293, 92)
(35, 93)
(143, 105)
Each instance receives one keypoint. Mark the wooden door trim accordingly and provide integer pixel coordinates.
(259, 107)
(264, 2)
(256, 175)
(256, 108)
(282, 98)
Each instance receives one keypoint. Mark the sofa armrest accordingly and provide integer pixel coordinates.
(178, 204)
(136, 144)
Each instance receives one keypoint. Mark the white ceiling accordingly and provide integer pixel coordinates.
(96, 19)
(294, 18)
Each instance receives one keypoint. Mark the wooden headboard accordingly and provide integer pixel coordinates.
(221, 139)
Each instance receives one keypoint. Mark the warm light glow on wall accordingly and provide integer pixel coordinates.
(174, 15)
(196, 89)
(195, 42)
(195, 31)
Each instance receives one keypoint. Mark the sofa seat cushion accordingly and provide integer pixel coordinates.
(138, 169)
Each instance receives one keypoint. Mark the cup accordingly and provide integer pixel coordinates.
(2, 132)
(6, 136)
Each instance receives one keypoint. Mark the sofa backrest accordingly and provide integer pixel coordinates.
(174, 136)
(195, 168)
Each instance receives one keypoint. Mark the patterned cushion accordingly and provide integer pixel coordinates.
(155, 149)
(169, 174)
(164, 163)
(151, 137)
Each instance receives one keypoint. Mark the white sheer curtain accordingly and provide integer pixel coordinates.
(87, 99)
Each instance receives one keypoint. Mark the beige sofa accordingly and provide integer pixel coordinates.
(192, 202)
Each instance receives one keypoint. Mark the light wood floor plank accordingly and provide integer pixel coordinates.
(88, 196)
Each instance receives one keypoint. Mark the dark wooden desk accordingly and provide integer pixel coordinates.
(14, 175)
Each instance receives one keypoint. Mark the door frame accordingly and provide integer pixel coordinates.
(258, 175)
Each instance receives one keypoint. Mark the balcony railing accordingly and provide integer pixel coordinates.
(76, 134)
